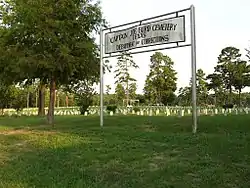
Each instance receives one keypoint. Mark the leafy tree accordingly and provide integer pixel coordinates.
(241, 77)
(132, 90)
(202, 89)
(141, 99)
(52, 41)
(149, 91)
(124, 64)
(184, 96)
(161, 83)
(120, 93)
(20, 100)
(84, 93)
(108, 88)
(226, 67)
(6, 96)
(215, 83)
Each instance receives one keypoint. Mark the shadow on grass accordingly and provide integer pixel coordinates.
(91, 160)
(84, 162)
(124, 124)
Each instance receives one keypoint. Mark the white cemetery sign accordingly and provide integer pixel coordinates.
(149, 34)
(146, 33)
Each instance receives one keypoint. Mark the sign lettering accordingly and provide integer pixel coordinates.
(154, 33)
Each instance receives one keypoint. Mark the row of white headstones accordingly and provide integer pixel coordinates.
(140, 112)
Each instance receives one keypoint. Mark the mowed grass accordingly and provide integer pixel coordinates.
(139, 152)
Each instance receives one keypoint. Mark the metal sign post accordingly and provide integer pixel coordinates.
(193, 62)
(147, 33)
(101, 78)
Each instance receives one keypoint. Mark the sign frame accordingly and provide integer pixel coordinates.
(192, 44)
(146, 23)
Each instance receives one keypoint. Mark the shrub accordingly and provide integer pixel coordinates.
(84, 108)
(136, 109)
(111, 108)
(84, 103)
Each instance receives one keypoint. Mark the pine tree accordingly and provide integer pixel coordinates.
(124, 65)
(161, 83)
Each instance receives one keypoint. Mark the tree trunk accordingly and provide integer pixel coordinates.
(50, 115)
(36, 99)
(28, 99)
(239, 98)
(74, 101)
(215, 99)
(41, 100)
(127, 89)
(127, 95)
(55, 98)
(230, 94)
(58, 99)
(67, 101)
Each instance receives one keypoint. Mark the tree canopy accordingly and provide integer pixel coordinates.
(50, 40)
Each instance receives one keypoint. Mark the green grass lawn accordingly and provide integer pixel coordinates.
(139, 152)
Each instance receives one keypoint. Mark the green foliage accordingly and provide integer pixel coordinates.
(226, 66)
(132, 90)
(83, 92)
(108, 88)
(233, 72)
(202, 90)
(111, 108)
(136, 109)
(12, 97)
(50, 40)
(6, 95)
(124, 65)
(20, 100)
(184, 96)
(120, 93)
(141, 99)
(161, 81)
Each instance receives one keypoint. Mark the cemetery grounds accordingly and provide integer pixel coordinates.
(135, 150)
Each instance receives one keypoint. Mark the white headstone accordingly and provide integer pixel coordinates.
(150, 112)
(216, 111)
(124, 112)
(141, 113)
(157, 112)
(181, 113)
(223, 111)
(167, 112)
(111, 113)
(246, 110)
(236, 111)
(205, 111)
(85, 113)
(212, 112)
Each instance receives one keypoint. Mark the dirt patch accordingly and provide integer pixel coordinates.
(25, 132)
(159, 161)
(156, 162)
(14, 132)
(12, 150)
(147, 128)
(3, 158)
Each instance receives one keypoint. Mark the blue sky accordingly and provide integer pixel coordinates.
(219, 23)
